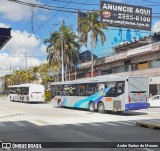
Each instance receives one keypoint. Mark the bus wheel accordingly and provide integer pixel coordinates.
(91, 106)
(101, 107)
(59, 103)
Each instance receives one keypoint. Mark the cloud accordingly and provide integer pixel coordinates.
(18, 12)
(9, 63)
(14, 51)
(21, 42)
(156, 26)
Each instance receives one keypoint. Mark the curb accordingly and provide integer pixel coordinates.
(148, 124)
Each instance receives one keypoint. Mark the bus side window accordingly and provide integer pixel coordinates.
(112, 91)
(59, 90)
(90, 88)
(101, 87)
(81, 90)
(120, 87)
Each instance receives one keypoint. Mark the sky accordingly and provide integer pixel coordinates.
(31, 26)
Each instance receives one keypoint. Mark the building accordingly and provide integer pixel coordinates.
(5, 36)
(139, 58)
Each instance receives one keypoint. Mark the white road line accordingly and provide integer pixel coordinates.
(94, 124)
(18, 123)
(112, 124)
(34, 122)
(2, 124)
(79, 124)
(133, 122)
(125, 123)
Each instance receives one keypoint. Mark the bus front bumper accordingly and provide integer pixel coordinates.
(136, 106)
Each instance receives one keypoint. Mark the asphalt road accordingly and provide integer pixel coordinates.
(24, 122)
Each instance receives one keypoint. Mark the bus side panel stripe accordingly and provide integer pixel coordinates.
(86, 100)
(65, 101)
(95, 97)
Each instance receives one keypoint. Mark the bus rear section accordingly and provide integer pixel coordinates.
(138, 93)
(36, 93)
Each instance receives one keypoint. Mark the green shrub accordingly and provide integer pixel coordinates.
(47, 95)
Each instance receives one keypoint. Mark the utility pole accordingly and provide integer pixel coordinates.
(62, 57)
(10, 67)
(92, 57)
(26, 59)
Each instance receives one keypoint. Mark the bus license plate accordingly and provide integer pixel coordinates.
(138, 94)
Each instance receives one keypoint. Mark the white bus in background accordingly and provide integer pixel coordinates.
(26, 93)
(112, 93)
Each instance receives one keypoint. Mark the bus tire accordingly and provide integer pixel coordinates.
(59, 103)
(100, 107)
(91, 106)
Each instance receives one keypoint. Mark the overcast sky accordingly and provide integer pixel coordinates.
(29, 38)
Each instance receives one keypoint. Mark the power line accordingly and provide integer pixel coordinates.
(150, 1)
(75, 2)
(50, 7)
(53, 16)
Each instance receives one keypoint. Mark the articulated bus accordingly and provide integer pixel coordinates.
(112, 93)
(26, 92)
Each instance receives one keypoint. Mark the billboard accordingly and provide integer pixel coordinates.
(126, 16)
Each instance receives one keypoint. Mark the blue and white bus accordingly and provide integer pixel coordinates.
(112, 93)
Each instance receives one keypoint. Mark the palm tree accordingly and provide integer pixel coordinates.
(64, 37)
(90, 29)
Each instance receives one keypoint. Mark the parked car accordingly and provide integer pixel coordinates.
(155, 101)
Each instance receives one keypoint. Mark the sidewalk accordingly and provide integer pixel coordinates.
(3, 98)
(149, 124)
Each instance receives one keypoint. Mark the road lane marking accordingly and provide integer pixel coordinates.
(125, 123)
(79, 124)
(94, 124)
(133, 122)
(18, 123)
(112, 124)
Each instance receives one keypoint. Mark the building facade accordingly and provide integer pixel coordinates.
(137, 58)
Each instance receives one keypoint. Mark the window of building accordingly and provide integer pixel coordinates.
(127, 62)
(115, 70)
(156, 63)
(109, 71)
(79, 76)
(126, 68)
(143, 65)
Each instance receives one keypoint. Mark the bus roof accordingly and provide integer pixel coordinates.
(102, 78)
(91, 80)
(25, 85)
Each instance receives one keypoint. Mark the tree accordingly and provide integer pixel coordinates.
(70, 45)
(90, 29)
